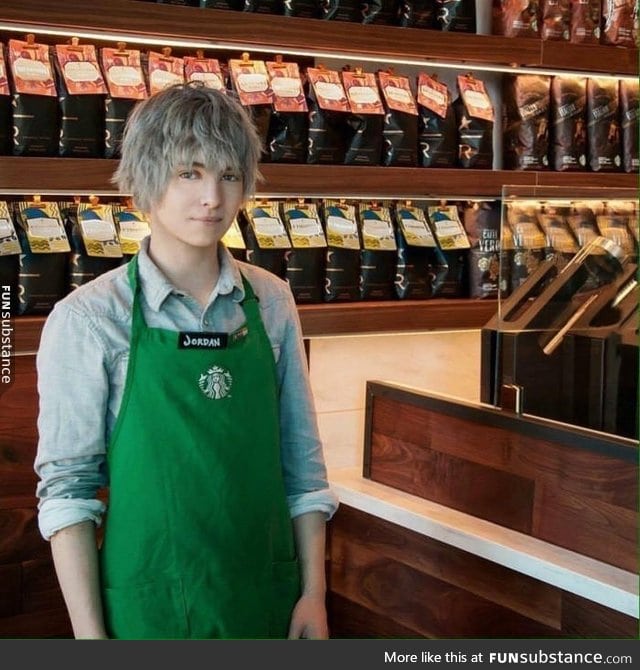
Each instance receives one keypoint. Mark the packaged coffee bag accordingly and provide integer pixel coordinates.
(306, 260)
(585, 21)
(526, 100)
(400, 130)
(264, 6)
(342, 10)
(561, 245)
(164, 70)
(454, 245)
(556, 19)
(132, 226)
(568, 123)
(342, 269)
(328, 117)
(516, 18)
(620, 22)
(125, 82)
(5, 107)
(528, 240)
(366, 121)
(9, 254)
(306, 9)
(629, 101)
(234, 241)
(95, 248)
(456, 15)
(613, 223)
(474, 118)
(378, 252)
(36, 116)
(81, 95)
(582, 221)
(603, 125)
(42, 277)
(437, 129)
(289, 127)
(206, 71)
(250, 81)
(380, 12)
(416, 14)
(421, 267)
(481, 222)
(265, 236)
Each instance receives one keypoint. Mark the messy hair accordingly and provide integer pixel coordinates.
(179, 126)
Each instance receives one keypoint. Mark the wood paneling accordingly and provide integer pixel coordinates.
(578, 490)
(387, 581)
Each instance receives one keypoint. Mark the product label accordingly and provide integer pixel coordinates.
(414, 227)
(475, 98)
(31, 68)
(433, 95)
(342, 227)
(9, 244)
(251, 81)
(397, 93)
(164, 71)
(43, 225)
(132, 229)
(80, 69)
(123, 73)
(206, 70)
(305, 229)
(448, 228)
(99, 231)
(329, 90)
(287, 87)
(377, 229)
(362, 93)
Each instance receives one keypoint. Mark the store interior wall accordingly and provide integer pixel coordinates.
(437, 362)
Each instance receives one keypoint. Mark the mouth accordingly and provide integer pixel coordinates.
(207, 220)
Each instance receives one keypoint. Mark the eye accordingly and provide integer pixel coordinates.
(230, 176)
(189, 174)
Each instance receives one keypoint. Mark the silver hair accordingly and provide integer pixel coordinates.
(179, 126)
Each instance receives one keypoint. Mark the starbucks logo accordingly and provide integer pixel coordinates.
(215, 383)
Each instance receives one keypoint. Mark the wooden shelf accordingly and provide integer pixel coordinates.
(77, 175)
(232, 30)
(340, 319)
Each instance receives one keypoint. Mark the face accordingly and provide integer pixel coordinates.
(196, 210)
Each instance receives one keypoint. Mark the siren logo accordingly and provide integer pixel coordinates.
(216, 383)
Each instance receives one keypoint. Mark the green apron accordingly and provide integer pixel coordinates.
(198, 539)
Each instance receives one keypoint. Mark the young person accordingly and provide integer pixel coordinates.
(179, 383)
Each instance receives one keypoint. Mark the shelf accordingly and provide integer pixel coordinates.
(340, 319)
(235, 30)
(78, 175)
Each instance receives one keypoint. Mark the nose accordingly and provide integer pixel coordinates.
(211, 193)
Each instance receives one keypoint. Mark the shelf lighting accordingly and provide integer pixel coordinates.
(160, 41)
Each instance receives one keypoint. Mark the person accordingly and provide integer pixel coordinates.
(178, 384)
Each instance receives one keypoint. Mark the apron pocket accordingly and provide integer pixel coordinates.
(153, 611)
(285, 594)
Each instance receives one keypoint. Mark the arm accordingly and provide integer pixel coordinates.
(75, 557)
(309, 618)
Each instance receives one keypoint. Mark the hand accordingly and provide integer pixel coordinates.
(309, 619)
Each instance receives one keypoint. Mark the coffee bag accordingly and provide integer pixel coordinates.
(603, 125)
(454, 245)
(481, 222)
(437, 129)
(9, 255)
(474, 118)
(582, 221)
(400, 131)
(378, 252)
(585, 21)
(629, 101)
(620, 22)
(342, 269)
(516, 18)
(529, 242)
(556, 19)
(265, 236)
(568, 123)
(416, 14)
(455, 16)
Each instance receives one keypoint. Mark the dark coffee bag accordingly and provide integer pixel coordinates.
(42, 276)
(342, 269)
(582, 221)
(620, 22)
(400, 130)
(420, 266)
(264, 6)
(613, 223)
(629, 101)
(342, 10)
(603, 125)
(81, 95)
(585, 21)
(454, 245)
(265, 236)
(36, 115)
(126, 86)
(526, 100)
(236, 5)
(289, 124)
(529, 243)
(305, 261)
(437, 129)
(568, 123)
(95, 248)
(474, 119)
(481, 221)
(455, 16)
(416, 14)
(306, 9)
(9, 255)
(378, 252)
(380, 12)
(516, 18)
(328, 116)
(561, 245)
(555, 19)
(366, 121)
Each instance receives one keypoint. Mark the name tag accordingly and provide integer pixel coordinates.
(191, 340)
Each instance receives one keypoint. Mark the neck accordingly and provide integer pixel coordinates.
(192, 270)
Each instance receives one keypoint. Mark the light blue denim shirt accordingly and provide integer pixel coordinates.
(82, 363)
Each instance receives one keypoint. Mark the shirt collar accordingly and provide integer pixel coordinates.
(156, 287)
